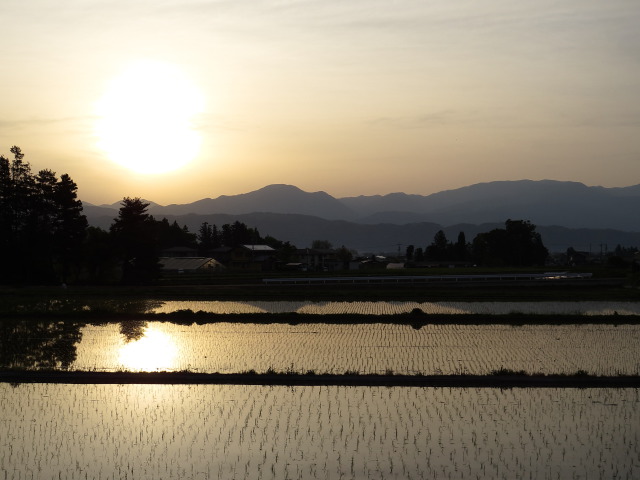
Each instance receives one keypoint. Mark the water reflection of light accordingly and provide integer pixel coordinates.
(154, 351)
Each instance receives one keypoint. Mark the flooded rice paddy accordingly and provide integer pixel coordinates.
(66, 431)
(368, 348)
(253, 432)
(394, 308)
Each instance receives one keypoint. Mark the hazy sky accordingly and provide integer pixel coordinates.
(351, 97)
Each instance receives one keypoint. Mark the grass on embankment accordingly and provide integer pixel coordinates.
(417, 318)
(500, 379)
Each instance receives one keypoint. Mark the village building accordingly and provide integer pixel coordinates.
(251, 258)
(189, 265)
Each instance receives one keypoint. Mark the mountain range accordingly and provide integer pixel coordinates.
(566, 214)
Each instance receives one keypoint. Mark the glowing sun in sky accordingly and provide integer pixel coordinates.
(156, 350)
(145, 118)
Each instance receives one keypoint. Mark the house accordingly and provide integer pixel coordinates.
(319, 260)
(575, 257)
(221, 254)
(189, 265)
(253, 258)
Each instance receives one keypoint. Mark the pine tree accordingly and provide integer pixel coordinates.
(71, 225)
(135, 239)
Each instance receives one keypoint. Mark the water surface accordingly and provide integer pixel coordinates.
(398, 307)
(212, 431)
(369, 348)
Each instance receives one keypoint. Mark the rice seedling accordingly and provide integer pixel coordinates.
(400, 307)
(376, 348)
(207, 431)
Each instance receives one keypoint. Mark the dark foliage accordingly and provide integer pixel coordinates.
(42, 227)
(135, 236)
(441, 249)
(518, 245)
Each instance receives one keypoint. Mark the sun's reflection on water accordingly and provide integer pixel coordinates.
(154, 351)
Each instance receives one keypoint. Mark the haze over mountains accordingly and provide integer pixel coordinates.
(566, 213)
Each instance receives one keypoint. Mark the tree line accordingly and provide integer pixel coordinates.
(42, 227)
(518, 245)
(45, 237)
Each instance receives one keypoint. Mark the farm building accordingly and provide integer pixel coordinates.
(189, 264)
(252, 258)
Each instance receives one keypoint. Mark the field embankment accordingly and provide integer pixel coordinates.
(498, 380)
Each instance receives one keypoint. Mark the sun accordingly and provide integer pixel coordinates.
(145, 118)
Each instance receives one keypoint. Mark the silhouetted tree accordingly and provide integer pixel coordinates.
(173, 235)
(488, 247)
(70, 225)
(226, 235)
(345, 256)
(285, 252)
(215, 237)
(230, 235)
(205, 238)
(37, 214)
(439, 249)
(37, 235)
(16, 195)
(243, 235)
(460, 249)
(272, 242)
(99, 255)
(524, 244)
(518, 244)
(136, 241)
(409, 253)
(6, 211)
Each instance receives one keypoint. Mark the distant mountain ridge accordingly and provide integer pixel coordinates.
(544, 202)
(278, 198)
(272, 198)
(400, 218)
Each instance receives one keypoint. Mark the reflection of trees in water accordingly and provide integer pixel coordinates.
(119, 305)
(38, 344)
(79, 304)
(133, 329)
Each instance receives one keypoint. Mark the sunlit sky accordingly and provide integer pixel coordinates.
(351, 97)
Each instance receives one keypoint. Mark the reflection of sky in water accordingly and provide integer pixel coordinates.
(239, 431)
(394, 308)
(105, 348)
(369, 348)
(155, 351)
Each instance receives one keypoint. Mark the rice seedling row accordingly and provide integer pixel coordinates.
(366, 349)
(395, 308)
(210, 431)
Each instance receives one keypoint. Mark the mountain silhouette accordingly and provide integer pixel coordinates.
(272, 198)
(371, 223)
(544, 202)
